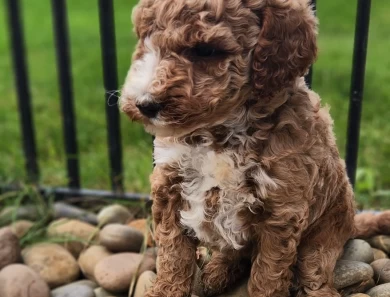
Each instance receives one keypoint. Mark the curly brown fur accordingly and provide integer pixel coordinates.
(370, 224)
(246, 161)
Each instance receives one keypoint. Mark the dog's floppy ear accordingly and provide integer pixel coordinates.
(287, 43)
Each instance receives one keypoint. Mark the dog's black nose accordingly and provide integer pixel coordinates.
(149, 110)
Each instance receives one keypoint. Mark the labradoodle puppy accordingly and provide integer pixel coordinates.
(245, 158)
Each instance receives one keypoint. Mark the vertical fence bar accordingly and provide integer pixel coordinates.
(357, 85)
(309, 76)
(60, 23)
(22, 89)
(107, 37)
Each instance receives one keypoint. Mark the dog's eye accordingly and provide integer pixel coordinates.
(206, 50)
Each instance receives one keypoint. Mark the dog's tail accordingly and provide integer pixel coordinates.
(368, 224)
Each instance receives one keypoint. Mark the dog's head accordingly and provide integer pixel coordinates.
(197, 60)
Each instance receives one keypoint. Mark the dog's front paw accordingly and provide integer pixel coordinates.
(212, 291)
(213, 283)
(166, 291)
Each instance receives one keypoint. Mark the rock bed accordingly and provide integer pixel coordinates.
(101, 257)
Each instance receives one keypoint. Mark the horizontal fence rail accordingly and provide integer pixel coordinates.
(110, 82)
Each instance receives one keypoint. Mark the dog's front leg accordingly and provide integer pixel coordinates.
(177, 251)
(277, 242)
(176, 263)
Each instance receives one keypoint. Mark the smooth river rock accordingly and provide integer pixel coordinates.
(52, 262)
(121, 238)
(9, 247)
(77, 289)
(358, 250)
(358, 288)
(90, 257)
(18, 280)
(379, 291)
(381, 270)
(144, 282)
(114, 273)
(348, 273)
(145, 228)
(63, 210)
(114, 213)
(21, 227)
(76, 234)
(379, 254)
(381, 242)
(100, 292)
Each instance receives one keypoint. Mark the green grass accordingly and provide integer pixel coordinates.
(331, 81)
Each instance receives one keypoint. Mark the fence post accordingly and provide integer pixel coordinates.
(309, 76)
(22, 89)
(357, 86)
(60, 24)
(110, 76)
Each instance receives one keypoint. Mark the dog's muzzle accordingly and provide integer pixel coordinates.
(149, 110)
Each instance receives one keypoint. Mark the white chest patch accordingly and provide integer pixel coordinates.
(202, 170)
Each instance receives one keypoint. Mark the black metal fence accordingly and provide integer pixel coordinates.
(107, 33)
